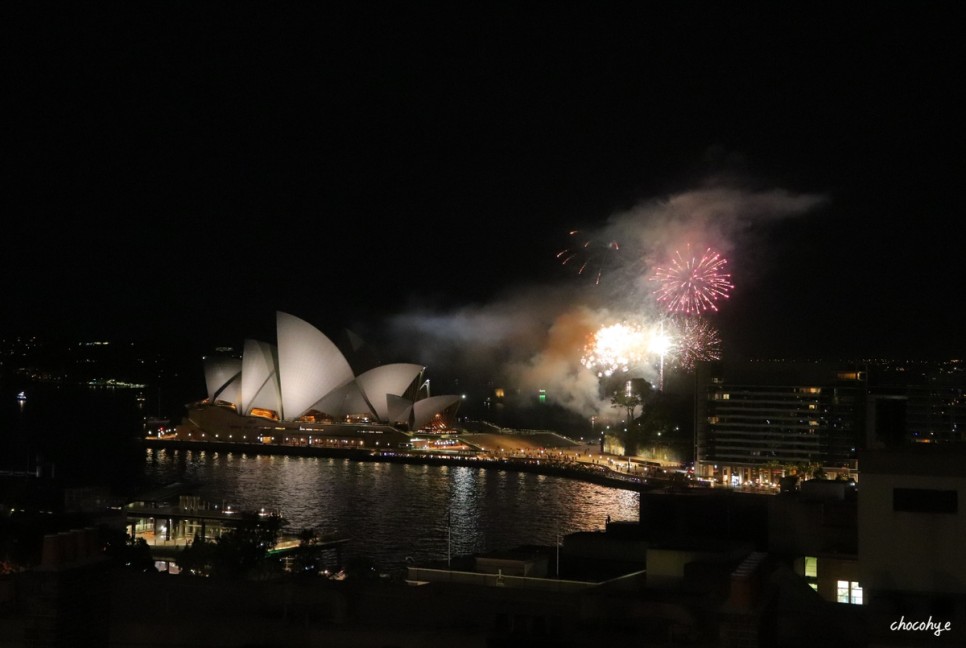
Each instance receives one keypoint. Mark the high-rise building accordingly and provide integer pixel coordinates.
(758, 420)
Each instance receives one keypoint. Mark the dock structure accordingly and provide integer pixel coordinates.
(169, 519)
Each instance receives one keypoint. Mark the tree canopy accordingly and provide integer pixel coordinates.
(238, 553)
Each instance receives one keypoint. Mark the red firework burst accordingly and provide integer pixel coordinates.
(589, 256)
(692, 284)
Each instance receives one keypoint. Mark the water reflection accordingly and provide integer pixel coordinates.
(392, 511)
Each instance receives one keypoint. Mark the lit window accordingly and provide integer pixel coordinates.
(842, 592)
(848, 592)
(811, 567)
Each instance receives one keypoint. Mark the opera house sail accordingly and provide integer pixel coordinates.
(302, 389)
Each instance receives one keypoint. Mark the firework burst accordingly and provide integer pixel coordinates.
(589, 256)
(695, 340)
(615, 348)
(692, 284)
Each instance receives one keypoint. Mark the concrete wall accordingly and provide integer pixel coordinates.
(908, 551)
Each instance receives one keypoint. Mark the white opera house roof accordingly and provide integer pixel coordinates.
(306, 377)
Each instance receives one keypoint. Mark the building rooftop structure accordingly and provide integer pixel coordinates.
(911, 531)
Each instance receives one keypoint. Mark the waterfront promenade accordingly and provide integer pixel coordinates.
(580, 462)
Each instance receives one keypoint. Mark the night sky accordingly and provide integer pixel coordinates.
(180, 171)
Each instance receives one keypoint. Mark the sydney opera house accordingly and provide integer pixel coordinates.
(303, 390)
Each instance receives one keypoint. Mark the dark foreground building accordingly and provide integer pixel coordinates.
(825, 565)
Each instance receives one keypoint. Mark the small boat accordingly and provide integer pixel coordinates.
(22, 396)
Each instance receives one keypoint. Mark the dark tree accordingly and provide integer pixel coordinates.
(128, 552)
(241, 552)
(630, 395)
(197, 558)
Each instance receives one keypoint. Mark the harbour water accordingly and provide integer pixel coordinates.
(391, 512)
(394, 512)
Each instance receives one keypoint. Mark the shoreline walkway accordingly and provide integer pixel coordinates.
(613, 471)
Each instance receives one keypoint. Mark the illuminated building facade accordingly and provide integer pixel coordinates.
(758, 420)
(304, 384)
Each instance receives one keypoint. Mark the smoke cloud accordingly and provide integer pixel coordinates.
(535, 337)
